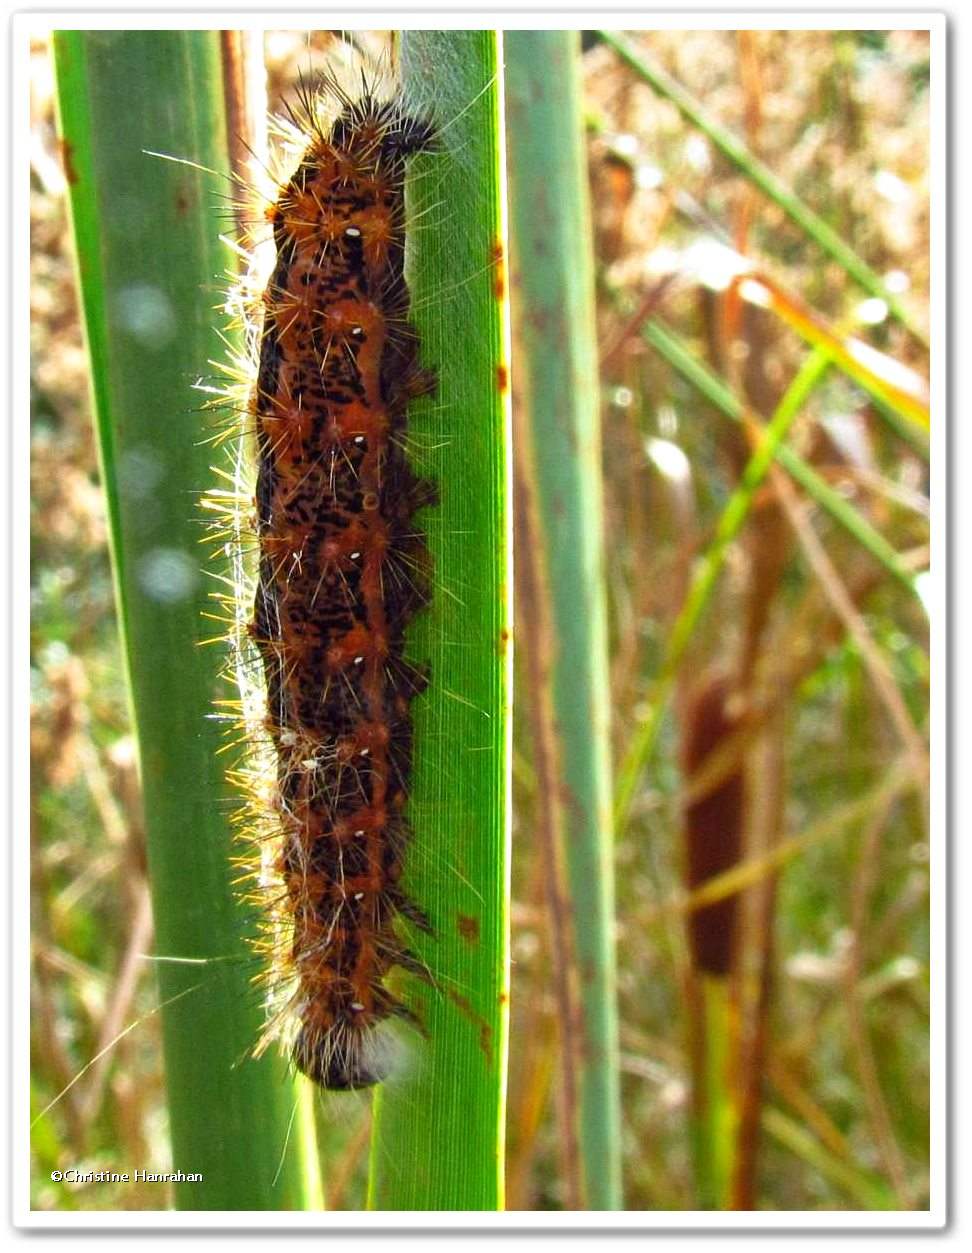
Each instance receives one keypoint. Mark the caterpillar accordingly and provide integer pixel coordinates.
(342, 569)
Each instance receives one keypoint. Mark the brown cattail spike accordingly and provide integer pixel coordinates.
(713, 824)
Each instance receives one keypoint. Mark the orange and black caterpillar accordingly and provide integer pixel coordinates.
(342, 570)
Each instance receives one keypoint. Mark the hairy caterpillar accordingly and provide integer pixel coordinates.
(341, 571)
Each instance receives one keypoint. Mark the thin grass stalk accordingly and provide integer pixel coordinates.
(875, 661)
(557, 378)
(147, 251)
(865, 1191)
(762, 177)
(780, 681)
(706, 574)
(438, 1141)
(677, 354)
(879, 1113)
(899, 780)
(897, 390)
(674, 349)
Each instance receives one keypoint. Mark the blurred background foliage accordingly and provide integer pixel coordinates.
(818, 653)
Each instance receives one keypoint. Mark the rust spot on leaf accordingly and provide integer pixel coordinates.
(67, 161)
(499, 270)
(468, 927)
(502, 377)
(485, 1030)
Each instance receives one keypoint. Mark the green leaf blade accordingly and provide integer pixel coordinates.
(149, 263)
(438, 1141)
(557, 383)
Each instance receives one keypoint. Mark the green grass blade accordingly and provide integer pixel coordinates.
(438, 1141)
(706, 574)
(762, 177)
(553, 281)
(148, 261)
(677, 354)
(866, 1191)
(684, 360)
(758, 867)
(899, 394)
